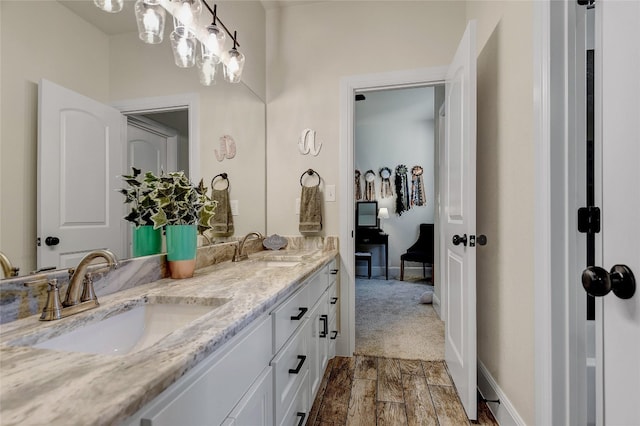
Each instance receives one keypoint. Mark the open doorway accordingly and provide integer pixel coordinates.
(157, 142)
(396, 135)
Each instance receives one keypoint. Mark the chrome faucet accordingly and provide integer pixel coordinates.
(80, 294)
(239, 255)
(7, 268)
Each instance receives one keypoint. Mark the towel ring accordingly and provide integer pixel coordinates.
(223, 176)
(310, 172)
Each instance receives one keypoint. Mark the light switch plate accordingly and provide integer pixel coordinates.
(235, 207)
(330, 192)
(297, 206)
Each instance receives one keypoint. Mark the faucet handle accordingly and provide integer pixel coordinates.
(87, 289)
(52, 309)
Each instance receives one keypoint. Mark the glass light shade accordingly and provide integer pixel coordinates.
(150, 19)
(111, 6)
(233, 68)
(183, 44)
(207, 70)
(213, 45)
(187, 12)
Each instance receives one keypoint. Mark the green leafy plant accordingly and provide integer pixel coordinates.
(138, 195)
(179, 202)
(168, 199)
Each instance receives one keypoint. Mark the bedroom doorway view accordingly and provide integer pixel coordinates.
(395, 162)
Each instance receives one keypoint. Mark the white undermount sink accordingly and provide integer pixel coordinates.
(275, 263)
(132, 330)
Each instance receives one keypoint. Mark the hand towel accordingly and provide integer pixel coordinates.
(310, 210)
(222, 221)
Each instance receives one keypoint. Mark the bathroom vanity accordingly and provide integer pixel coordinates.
(257, 356)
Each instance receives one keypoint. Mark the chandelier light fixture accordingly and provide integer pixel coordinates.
(186, 35)
(111, 6)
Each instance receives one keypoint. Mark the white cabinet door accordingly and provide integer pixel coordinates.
(256, 407)
(459, 221)
(209, 392)
(617, 54)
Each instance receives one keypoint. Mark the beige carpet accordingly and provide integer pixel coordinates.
(391, 322)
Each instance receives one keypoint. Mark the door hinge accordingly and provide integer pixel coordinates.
(589, 220)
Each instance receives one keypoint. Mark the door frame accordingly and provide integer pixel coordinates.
(345, 344)
(188, 101)
(559, 331)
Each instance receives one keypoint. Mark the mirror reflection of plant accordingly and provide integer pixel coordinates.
(138, 195)
(181, 203)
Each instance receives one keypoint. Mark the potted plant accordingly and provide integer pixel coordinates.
(147, 239)
(183, 210)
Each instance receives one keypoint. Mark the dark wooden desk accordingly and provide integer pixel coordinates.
(375, 237)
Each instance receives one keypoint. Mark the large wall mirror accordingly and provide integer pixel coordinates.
(99, 56)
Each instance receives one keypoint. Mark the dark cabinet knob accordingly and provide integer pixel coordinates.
(598, 282)
(52, 241)
(457, 240)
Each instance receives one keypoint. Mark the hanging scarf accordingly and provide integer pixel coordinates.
(358, 188)
(385, 188)
(370, 185)
(402, 190)
(417, 187)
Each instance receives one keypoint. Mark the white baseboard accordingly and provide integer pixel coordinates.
(505, 413)
(436, 305)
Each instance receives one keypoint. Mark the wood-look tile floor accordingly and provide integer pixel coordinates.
(370, 391)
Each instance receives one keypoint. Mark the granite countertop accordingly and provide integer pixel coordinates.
(40, 386)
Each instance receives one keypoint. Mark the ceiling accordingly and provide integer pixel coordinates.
(125, 21)
(109, 23)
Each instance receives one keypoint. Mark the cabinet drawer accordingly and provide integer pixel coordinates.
(289, 367)
(206, 394)
(299, 409)
(331, 340)
(317, 285)
(289, 316)
(333, 300)
(332, 271)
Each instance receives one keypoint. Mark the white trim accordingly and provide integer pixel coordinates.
(348, 86)
(504, 412)
(559, 320)
(542, 220)
(190, 101)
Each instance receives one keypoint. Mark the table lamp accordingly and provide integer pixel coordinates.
(383, 213)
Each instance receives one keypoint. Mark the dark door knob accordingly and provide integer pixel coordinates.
(598, 282)
(52, 241)
(457, 239)
(482, 240)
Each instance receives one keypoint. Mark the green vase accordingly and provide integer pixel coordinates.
(181, 250)
(181, 242)
(146, 241)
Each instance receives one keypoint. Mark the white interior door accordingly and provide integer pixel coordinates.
(618, 56)
(151, 147)
(80, 159)
(459, 221)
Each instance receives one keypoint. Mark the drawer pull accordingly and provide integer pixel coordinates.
(325, 326)
(302, 416)
(301, 359)
(300, 315)
(334, 334)
(334, 272)
(334, 300)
